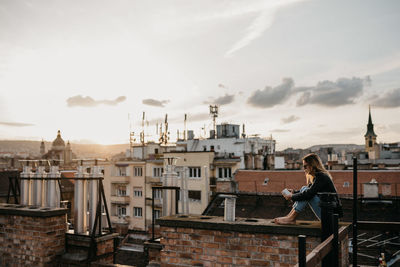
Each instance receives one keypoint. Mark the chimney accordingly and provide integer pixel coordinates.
(229, 207)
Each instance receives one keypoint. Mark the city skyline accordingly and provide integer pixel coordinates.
(304, 72)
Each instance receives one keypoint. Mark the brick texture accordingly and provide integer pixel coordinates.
(31, 241)
(253, 181)
(193, 247)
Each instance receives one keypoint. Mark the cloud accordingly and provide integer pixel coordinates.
(154, 102)
(15, 124)
(222, 100)
(280, 131)
(290, 119)
(260, 23)
(87, 101)
(332, 94)
(270, 97)
(389, 100)
(325, 93)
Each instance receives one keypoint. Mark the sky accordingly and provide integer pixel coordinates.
(301, 71)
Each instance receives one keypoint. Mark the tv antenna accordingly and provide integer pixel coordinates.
(214, 114)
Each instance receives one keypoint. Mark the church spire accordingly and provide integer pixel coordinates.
(370, 126)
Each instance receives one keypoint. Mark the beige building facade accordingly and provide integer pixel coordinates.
(124, 187)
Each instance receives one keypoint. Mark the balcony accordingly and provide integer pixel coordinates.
(153, 180)
(120, 179)
(120, 219)
(157, 202)
(120, 199)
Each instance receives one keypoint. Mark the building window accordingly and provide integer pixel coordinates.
(370, 143)
(137, 212)
(121, 171)
(121, 211)
(194, 172)
(225, 172)
(157, 194)
(346, 184)
(156, 151)
(194, 195)
(157, 214)
(138, 171)
(137, 192)
(121, 191)
(158, 171)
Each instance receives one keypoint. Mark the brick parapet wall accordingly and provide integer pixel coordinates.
(80, 245)
(30, 240)
(188, 246)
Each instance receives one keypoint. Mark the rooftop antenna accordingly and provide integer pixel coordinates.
(166, 133)
(214, 114)
(142, 133)
(131, 134)
(185, 129)
(243, 132)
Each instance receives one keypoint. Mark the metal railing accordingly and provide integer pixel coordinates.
(327, 252)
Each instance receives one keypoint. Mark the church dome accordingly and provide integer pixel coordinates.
(58, 142)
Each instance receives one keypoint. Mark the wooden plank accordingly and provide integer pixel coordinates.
(319, 252)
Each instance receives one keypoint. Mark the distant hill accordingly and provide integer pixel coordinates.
(80, 150)
(338, 147)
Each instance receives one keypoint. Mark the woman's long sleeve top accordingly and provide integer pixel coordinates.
(322, 183)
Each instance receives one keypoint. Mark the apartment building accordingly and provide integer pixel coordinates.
(203, 169)
(124, 186)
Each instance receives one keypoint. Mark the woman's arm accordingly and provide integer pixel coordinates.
(318, 186)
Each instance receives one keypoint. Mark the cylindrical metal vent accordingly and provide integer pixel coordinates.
(37, 191)
(94, 197)
(230, 206)
(53, 190)
(25, 185)
(80, 205)
(169, 196)
(184, 191)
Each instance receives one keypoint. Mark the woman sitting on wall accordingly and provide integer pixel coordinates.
(318, 180)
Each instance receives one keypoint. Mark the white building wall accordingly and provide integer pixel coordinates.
(237, 146)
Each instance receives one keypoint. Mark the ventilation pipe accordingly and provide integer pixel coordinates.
(53, 190)
(38, 186)
(169, 179)
(207, 185)
(184, 191)
(229, 207)
(94, 196)
(26, 184)
(80, 205)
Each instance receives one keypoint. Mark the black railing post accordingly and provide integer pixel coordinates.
(176, 200)
(327, 204)
(152, 214)
(335, 245)
(355, 185)
(302, 250)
